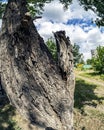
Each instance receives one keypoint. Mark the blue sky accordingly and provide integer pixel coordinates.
(75, 21)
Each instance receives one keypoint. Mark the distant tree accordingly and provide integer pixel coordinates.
(89, 61)
(52, 47)
(78, 57)
(98, 61)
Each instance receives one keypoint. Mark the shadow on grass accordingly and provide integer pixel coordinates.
(6, 113)
(84, 95)
(93, 73)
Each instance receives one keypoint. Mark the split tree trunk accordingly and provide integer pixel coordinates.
(41, 90)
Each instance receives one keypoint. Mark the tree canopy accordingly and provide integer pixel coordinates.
(97, 6)
(78, 57)
(36, 6)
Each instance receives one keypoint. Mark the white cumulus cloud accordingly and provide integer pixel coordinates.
(55, 19)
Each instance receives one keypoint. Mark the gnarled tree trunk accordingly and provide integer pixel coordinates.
(41, 90)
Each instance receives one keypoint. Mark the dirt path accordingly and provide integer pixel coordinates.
(93, 81)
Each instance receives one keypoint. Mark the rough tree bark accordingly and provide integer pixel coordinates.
(40, 89)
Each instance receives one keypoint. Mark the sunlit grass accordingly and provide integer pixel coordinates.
(91, 74)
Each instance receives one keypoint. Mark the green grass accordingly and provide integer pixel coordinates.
(92, 74)
(98, 114)
(84, 94)
(88, 107)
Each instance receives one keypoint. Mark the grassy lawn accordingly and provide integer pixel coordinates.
(91, 74)
(88, 107)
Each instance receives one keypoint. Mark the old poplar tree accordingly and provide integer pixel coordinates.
(40, 88)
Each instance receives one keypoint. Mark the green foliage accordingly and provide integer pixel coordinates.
(97, 6)
(52, 47)
(89, 61)
(94, 5)
(102, 76)
(2, 8)
(36, 7)
(78, 57)
(66, 3)
(6, 114)
(98, 61)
